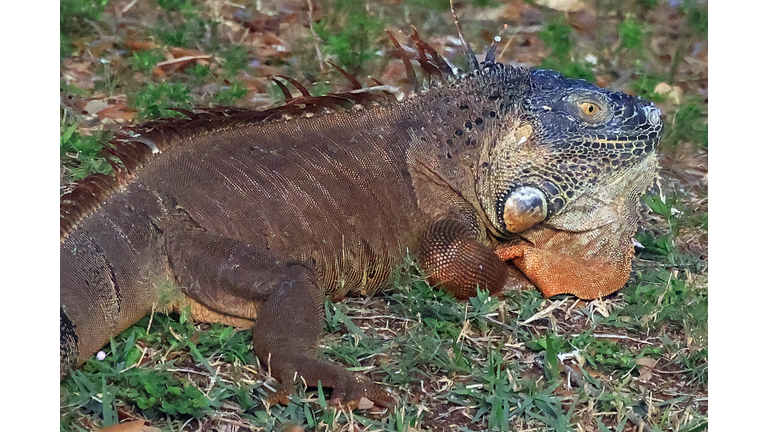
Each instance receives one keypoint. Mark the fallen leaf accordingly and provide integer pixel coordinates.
(98, 47)
(646, 368)
(94, 106)
(131, 426)
(513, 11)
(139, 45)
(177, 52)
(674, 94)
(365, 403)
(562, 5)
(180, 63)
(118, 111)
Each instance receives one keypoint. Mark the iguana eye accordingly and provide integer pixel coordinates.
(589, 109)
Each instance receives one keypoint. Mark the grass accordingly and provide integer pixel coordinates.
(81, 153)
(518, 362)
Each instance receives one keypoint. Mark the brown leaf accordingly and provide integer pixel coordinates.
(131, 426)
(646, 368)
(562, 5)
(290, 427)
(180, 58)
(674, 94)
(94, 106)
(513, 11)
(139, 45)
(177, 52)
(117, 111)
(365, 403)
(98, 47)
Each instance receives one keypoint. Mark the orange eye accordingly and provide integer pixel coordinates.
(589, 109)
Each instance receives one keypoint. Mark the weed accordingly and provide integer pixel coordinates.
(177, 5)
(182, 32)
(228, 95)
(235, 59)
(631, 32)
(153, 100)
(645, 86)
(81, 154)
(688, 123)
(76, 18)
(557, 36)
(145, 61)
(698, 19)
(199, 72)
(350, 35)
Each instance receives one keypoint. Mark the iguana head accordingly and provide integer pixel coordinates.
(563, 178)
(568, 150)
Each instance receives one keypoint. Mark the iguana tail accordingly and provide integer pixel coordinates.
(109, 264)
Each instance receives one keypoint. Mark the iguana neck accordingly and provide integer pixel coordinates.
(458, 127)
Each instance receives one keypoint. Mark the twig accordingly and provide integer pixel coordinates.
(638, 421)
(315, 38)
(183, 59)
(235, 422)
(129, 6)
(192, 371)
(499, 323)
(545, 312)
(617, 336)
(392, 317)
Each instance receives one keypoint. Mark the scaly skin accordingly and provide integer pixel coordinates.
(260, 215)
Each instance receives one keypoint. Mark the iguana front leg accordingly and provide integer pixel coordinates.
(454, 260)
(242, 280)
(285, 338)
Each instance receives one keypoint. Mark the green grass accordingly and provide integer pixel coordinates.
(75, 18)
(82, 153)
(688, 123)
(558, 37)
(349, 35)
(486, 364)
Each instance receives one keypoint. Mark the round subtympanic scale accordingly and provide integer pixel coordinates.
(525, 207)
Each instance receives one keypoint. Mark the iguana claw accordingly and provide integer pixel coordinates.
(349, 395)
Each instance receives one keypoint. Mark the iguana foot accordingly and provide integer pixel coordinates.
(285, 338)
(355, 388)
(349, 389)
(557, 273)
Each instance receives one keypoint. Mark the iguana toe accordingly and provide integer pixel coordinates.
(360, 392)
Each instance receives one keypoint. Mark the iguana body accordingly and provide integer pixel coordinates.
(259, 215)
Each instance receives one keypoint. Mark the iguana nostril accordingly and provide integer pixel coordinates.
(525, 207)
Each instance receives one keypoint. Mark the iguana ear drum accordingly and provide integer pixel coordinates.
(525, 207)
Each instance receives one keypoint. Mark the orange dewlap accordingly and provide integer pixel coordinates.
(554, 273)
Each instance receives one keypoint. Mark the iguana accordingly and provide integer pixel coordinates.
(258, 215)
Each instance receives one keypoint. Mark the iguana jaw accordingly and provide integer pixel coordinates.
(587, 250)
